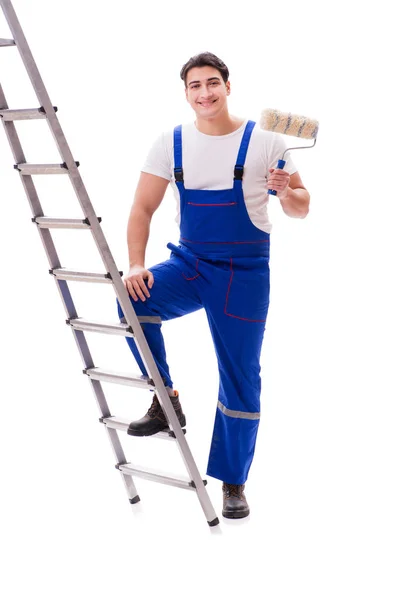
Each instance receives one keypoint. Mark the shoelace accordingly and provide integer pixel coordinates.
(154, 408)
(233, 490)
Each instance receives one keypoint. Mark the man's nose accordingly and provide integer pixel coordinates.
(206, 93)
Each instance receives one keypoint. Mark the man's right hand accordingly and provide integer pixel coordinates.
(135, 282)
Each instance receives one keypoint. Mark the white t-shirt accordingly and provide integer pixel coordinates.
(209, 160)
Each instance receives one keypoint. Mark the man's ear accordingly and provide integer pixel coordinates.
(228, 88)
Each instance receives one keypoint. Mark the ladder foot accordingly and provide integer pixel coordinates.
(172, 434)
(136, 499)
(214, 522)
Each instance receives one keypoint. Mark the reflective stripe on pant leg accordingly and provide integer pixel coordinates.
(238, 414)
(232, 448)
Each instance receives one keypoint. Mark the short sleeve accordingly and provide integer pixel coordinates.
(275, 150)
(157, 161)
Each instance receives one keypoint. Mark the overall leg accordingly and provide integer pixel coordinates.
(237, 307)
(171, 296)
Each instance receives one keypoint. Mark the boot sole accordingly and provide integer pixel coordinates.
(138, 433)
(147, 433)
(234, 514)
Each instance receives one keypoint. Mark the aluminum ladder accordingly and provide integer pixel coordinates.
(132, 327)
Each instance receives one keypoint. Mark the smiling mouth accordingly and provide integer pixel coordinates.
(207, 103)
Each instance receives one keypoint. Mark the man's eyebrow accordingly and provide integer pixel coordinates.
(209, 79)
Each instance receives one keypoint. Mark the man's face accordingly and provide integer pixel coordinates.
(206, 91)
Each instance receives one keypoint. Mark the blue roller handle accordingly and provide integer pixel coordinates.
(280, 165)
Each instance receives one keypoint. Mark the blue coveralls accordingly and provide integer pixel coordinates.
(222, 265)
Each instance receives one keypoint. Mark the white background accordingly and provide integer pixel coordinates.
(324, 487)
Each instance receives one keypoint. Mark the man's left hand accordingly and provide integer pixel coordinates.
(278, 180)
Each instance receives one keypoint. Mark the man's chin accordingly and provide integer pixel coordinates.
(209, 113)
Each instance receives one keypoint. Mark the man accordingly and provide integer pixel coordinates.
(218, 168)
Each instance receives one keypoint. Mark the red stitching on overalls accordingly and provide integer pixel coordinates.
(195, 277)
(226, 303)
(222, 204)
(192, 242)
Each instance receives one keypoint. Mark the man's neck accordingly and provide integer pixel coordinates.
(222, 125)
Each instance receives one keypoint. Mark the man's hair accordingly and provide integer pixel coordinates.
(205, 59)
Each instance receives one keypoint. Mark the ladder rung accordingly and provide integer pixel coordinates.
(111, 328)
(22, 114)
(80, 276)
(31, 169)
(48, 222)
(129, 469)
(123, 424)
(4, 42)
(121, 378)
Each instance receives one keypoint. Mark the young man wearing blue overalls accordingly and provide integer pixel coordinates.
(218, 168)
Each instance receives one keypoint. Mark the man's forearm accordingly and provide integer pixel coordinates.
(296, 202)
(138, 235)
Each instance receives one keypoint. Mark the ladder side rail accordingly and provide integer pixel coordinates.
(65, 153)
(64, 291)
(163, 397)
(58, 134)
(27, 181)
(105, 253)
(45, 234)
(120, 457)
(65, 294)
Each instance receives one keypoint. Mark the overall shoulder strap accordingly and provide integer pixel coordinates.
(178, 171)
(241, 158)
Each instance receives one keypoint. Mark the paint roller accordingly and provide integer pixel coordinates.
(289, 124)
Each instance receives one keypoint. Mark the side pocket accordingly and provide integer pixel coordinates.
(190, 273)
(247, 296)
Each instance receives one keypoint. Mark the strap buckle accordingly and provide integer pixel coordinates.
(178, 172)
(238, 173)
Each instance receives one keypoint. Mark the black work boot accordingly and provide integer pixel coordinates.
(234, 501)
(154, 420)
